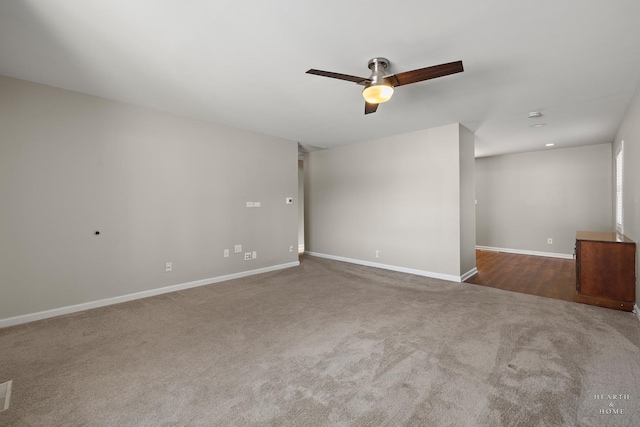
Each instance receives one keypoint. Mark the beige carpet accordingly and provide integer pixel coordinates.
(332, 344)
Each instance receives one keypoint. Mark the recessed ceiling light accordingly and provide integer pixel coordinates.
(551, 144)
(538, 125)
(534, 114)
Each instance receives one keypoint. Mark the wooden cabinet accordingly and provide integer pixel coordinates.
(605, 270)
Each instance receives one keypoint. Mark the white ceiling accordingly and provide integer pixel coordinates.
(242, 63)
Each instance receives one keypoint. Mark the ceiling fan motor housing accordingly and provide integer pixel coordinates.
(378, 67)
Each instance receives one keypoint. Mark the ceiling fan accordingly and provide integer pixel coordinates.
(378, 87)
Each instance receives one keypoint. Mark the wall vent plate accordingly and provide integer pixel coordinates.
(5, 395)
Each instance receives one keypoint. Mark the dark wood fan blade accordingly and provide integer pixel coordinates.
(370, 108)
(427, 73)
(355, 79)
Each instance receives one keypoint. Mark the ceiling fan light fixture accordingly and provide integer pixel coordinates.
(379, 86)
(377, 94)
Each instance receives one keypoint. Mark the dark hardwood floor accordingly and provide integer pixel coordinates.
(527, 274)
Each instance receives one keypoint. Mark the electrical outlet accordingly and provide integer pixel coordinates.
(549, 241)
(238, 249)
(377, 254)
(226, 253)
(291, 248)
(168, 267)
(257, 204)
(254, 254)
(249, 204)
(247, 256)
(289, 200)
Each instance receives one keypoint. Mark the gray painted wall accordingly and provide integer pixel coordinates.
(399, 195)
(158, 188)
(523, 199)
(629, 132)
(467, 200)
(300, 246)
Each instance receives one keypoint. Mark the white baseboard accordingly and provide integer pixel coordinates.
(449, 277)
(17, 320)
(524, 252)
(468, 274)
(636, 310)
